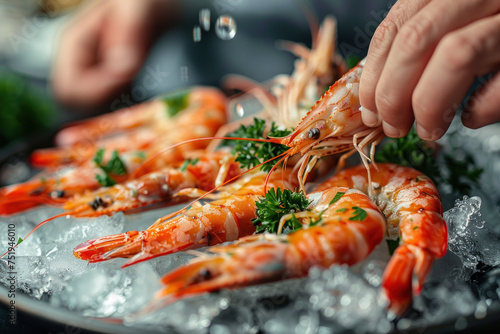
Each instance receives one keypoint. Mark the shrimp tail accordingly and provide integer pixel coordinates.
(397, 279)
(424, 239)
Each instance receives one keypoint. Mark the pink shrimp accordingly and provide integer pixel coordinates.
(225, 219)
(347, 227)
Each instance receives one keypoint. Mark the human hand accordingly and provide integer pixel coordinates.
(105, 46)
(423, 59)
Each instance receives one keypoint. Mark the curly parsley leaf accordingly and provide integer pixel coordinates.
(105, 180)
(462, 173)
(274, 205)
(249, 153)
(411, 151)
(114, 166)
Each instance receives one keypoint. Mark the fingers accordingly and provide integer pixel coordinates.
(379, 49)
(460, 57)
(77, 52)
(409, 54)
(104, 49)
(485, 105)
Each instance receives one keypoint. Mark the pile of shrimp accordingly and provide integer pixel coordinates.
(169, 160)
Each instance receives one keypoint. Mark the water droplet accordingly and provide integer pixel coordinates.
(239, 110)
(205, 19)
(225, 27)
(196, 33)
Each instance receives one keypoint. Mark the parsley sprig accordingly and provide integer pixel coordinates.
(274, 205)
(249, 153)
(176, 102)
(115, 166)
(411, 151)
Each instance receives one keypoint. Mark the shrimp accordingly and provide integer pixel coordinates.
(201, 119)
(146, 126)
(347, 227)
(333, 125)
(202, 172)
(225, 219)
(412, 206)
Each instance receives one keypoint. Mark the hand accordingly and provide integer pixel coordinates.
(105, 46)
(423, 59)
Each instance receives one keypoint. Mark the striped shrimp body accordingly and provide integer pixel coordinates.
(351, 226)
(225, 219)
(148, 126)
(205, 114)
(333, 125)
(167, 186)
(57, 187)
(411, 204)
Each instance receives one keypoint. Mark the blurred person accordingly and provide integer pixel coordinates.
(104, 47)
(113, 42)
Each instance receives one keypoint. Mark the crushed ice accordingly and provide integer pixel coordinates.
(463, 285)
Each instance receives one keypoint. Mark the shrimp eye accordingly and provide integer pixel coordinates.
(314, 133)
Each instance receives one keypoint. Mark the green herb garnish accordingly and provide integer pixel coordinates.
(274, 205)
(114, 166)
(176, 102)
(249, 153)
(411, 151)
(189, 162)
(337, 196)
(392, 245)
(461, 173)
(358, 215)
(352, 60)
(24, 109)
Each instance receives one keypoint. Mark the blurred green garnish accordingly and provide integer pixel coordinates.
(23, 110)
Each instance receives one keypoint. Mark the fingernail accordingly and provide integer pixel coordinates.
(369, 117)
(423, 133)
(391, 131)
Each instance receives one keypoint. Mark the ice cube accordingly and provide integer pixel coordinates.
(29, 274)
(444, 301)
(470, 237)
(297, 317)
(107, 290)
(191, 315)
(345, 298)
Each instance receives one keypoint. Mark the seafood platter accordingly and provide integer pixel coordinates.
(276, 211)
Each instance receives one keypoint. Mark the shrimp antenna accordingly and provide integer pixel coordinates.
(173, 214)
(64, 214)
(139, 171)
(161, 220)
